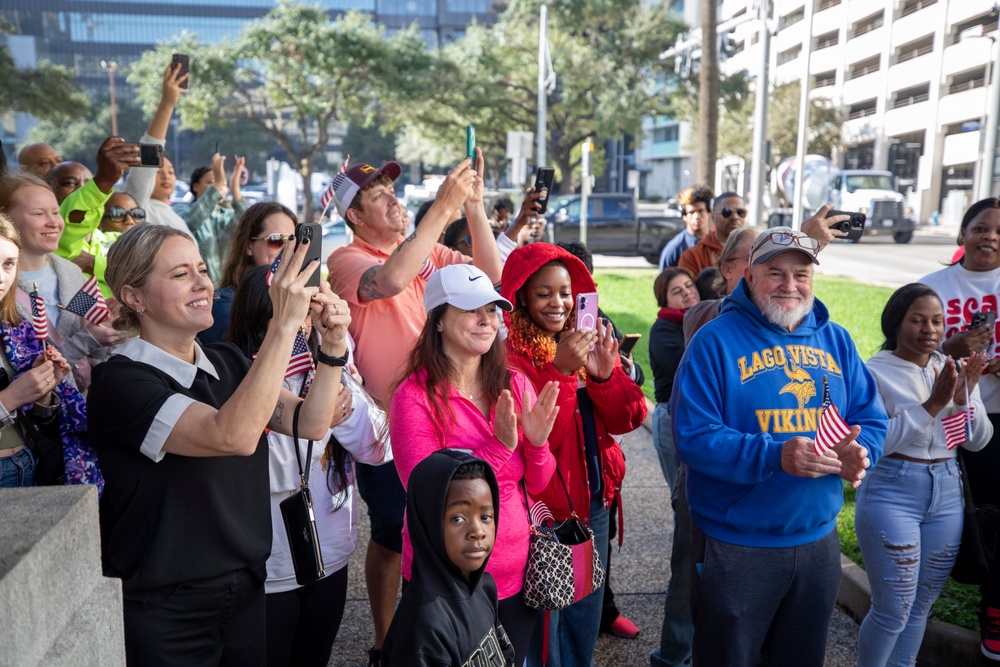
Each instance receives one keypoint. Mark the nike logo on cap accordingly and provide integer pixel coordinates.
(476, 278)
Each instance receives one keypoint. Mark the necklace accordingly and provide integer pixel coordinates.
(464, 390)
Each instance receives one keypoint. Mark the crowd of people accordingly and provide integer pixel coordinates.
(442, 370)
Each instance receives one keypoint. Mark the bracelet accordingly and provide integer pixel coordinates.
(336, 362)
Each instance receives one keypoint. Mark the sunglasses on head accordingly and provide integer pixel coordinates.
(119, 213)
(274, 241)
(784, 238)
(727, 212)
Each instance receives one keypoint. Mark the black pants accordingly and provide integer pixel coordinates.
(217, 622)
(609, 610)
(302, 624)
(518, 620)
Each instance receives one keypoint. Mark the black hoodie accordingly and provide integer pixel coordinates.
(444, 618)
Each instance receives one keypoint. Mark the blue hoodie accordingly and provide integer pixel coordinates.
(744, 387)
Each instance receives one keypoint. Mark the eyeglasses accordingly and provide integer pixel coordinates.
(119, 213)
(467, 240)
(784, 238)
(274, 241)
(727, 212)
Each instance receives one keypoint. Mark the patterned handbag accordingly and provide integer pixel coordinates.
(563, 564)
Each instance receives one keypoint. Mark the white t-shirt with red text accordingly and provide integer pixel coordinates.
(963, 294)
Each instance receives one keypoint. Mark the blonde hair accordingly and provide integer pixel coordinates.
(130, 262)
(8, 307)
(11, 184)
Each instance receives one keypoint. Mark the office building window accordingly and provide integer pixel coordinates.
(407, 7)
(662, 134)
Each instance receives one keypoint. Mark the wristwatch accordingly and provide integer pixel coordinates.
(336, 362)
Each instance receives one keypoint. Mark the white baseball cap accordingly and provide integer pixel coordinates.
(463, 286)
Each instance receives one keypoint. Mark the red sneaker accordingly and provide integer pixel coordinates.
(626, 629)
(989, 630)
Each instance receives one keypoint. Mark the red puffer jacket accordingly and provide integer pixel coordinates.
(619, 405)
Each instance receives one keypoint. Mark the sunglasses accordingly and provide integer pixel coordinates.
(784, 238)
(119, 213)
(274, 241)
(727, 212)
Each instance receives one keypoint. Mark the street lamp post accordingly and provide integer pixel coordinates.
(112, 67)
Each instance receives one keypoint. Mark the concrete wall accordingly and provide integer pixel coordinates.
(55, 606)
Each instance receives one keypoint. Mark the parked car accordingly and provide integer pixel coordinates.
(613, 225)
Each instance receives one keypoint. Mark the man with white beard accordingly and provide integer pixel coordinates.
(764, 487)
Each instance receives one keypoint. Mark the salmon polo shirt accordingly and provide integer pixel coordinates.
(384, 330)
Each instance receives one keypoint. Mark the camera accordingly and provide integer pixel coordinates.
(854, 227)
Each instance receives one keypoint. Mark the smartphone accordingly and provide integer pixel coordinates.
(983, 317)
(854, 227)
(182, 60)
(544, 178)
(150, 155)
(470, 143)
(628, 343)
(586, 311)
(312, 232)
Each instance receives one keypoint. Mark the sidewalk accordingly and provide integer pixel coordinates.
(640, 572)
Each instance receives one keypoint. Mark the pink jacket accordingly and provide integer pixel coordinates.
(415, 435)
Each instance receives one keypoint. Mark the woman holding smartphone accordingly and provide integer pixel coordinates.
(596, 400)
(966, 288)
(260, 235)
(179, 433)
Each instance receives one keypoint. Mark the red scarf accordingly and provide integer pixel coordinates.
(672, 314)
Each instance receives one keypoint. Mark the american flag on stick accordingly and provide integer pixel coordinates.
(958, 427)
(302, 359)
(89, 303)
(38, 318)
(327, 197)
(832, 427)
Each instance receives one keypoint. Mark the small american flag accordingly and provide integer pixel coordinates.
(958, 427)
(301, 356)
(89, 303)
(832, 427)
(540, 514)
(428, 268)
(274, 268)
(38, 318)
(327, 197)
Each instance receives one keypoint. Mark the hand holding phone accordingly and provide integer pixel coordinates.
(628, 343)
(544, 178)
(185, 68)
(586, 311)
(470, 144)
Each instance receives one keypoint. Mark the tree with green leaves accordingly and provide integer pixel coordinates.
(78, 139)
(47, 91)
(296, 75)
(605, 52)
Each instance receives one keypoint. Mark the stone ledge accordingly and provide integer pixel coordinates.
(58, 607)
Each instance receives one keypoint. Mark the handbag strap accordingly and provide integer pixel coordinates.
(527, 500)
(303, 475)
(966, 485)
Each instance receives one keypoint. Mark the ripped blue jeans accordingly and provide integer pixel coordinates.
(909, 526)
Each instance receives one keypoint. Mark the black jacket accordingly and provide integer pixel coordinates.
(443, 618)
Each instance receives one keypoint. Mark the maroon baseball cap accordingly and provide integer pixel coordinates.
(349, 183)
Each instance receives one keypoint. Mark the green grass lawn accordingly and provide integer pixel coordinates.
(627, 297)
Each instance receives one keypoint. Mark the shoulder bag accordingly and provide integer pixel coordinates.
(563, 564)
(980, 536)
(300, 520)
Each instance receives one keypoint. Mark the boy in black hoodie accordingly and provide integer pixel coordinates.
(448, 614)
